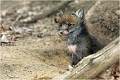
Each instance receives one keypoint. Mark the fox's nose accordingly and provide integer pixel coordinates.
(64, 33)
(61, 32)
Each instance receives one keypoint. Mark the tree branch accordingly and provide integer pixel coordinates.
(49, 12)
(102, 60)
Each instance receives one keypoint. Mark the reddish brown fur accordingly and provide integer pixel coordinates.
(68, 18)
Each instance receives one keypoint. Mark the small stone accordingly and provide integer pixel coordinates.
(44, 31)
(47, 43)
(4, 39)
(117, 12)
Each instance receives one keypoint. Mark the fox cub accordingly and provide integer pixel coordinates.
(73, 26)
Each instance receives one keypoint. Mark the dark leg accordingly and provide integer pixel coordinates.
(75, 60)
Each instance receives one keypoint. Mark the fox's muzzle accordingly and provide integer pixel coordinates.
(63, 32)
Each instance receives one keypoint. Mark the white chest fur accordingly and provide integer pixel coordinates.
(72, 48)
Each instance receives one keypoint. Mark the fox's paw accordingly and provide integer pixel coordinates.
(70, 68)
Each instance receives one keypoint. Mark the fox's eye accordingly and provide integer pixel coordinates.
(58, 28)
(60, 25)
(69, 24)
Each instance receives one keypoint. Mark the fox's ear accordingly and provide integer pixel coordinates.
(80, 13)
(57, 19)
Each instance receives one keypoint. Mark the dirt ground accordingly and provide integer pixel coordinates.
(31, 57)
(26, 60)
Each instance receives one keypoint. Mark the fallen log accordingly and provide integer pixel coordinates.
(93, 65)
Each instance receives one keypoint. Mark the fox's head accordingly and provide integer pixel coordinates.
(67, 21)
